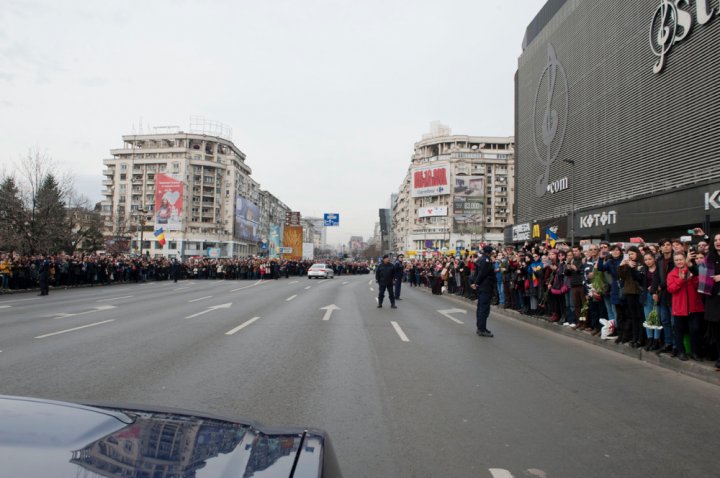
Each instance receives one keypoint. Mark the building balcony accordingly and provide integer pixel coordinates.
(107, 182)
(108, 172)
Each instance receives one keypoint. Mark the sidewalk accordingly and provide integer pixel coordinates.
(704, 371)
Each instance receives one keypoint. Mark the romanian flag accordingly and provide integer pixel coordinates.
(550, 238)
(160, 236)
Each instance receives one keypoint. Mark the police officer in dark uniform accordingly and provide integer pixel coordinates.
(484, 285)
(44, 276)
(174, 270)
(399, 270)
(384, 276)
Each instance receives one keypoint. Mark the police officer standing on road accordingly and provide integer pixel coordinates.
(484, 284)
(174, 270)
(44, 276)
(398, 271)
(384, 275)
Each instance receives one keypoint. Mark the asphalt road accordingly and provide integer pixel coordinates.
(406, 392)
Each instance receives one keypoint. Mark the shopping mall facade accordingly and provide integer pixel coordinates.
(617, 120)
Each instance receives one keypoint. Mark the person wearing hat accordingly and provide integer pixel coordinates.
(484, 284)
(398, 270)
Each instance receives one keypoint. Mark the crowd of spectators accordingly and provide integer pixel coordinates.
(663, 297)
(20, 272)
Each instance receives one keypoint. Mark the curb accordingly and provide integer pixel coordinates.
(704, 371)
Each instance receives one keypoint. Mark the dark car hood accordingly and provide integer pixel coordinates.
(57, 439)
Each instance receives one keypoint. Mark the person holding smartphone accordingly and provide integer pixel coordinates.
(631, 273)
(687, 307)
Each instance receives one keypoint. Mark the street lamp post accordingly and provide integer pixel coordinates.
(571, 162)
(143, 219)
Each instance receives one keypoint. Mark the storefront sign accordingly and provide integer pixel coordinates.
(521, 232)
(711, 200)
(671, 24)
(558, 185)
(604, 218)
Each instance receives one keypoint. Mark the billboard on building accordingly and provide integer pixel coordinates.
(247, 218)
(308, 249)
(467, 215)
(433, 211)
(293, 238)
(469, 186)
(275, 241)
(168, 202)
(430, 180)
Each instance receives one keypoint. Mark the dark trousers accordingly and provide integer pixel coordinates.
(634, 314)
(44, 286)
(398, 286)
(683, 324)
(578, 297)
(483, 309)
(381, 294)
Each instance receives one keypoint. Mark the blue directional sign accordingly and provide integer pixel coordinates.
(332, 219)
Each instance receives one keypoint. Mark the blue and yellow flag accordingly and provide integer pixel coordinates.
(550, 238)
(160, 236)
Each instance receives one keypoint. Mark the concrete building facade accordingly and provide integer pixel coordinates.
(196, 187)
(458, 192)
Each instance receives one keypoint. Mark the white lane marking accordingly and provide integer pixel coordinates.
(180, 288)
(293, 282)
(260, 282)
(308, 287)
(329, 310)
(345, 283)
(290, 298)
(5, 306)
(241, 326)
(373, 290)
(210, 309)
(370, 283)
(20, 300)
(114, 298)
(74, 329)
(75, 314)
(399, 331)
(500, 473)
(201, 298)
(447, 313)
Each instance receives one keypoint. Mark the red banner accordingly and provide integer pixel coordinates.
(168, 202)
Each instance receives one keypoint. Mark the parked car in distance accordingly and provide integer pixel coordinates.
(323, 271)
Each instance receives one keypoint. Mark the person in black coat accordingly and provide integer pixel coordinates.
(44, 276)
(384, 276)
(484, 285)
(399, 270)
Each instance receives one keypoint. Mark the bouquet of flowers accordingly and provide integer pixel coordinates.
(584, 312)
(653, 320)
(598, 285)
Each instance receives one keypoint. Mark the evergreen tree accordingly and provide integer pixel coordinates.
(12, 216)
(49, 229)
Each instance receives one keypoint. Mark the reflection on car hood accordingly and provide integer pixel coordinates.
(49, 438)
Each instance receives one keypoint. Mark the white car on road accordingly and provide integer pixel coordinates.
(324, 271)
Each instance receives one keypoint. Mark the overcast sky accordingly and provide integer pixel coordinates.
(325, 97)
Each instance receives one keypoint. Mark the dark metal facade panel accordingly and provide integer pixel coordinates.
(630, 131)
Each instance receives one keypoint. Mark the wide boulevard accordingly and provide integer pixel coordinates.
(406, 392)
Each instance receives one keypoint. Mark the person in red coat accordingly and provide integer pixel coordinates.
(687, 307)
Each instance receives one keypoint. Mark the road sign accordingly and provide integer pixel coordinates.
(285, 250)
(332, 219)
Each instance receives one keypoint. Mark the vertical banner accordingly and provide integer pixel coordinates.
(293, 238)
(168, 202)
(274, 241)
(247, 217)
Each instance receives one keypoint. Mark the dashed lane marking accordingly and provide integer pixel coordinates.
(308, 287)
(241, 326)
(290, 298)
(114, 298)
(201, 298)
(74, 329)
(399, 331)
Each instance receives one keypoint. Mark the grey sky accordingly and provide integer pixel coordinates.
(325, 97)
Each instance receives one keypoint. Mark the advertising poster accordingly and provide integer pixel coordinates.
(293, 238)
(247, 218)
(308, 251)
(433, 211)
(469, 186)
(430, 181)
(168, 202)
(468, 215)
(274, 241)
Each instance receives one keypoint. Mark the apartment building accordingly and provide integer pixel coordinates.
(196, 187)
(458, 192)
